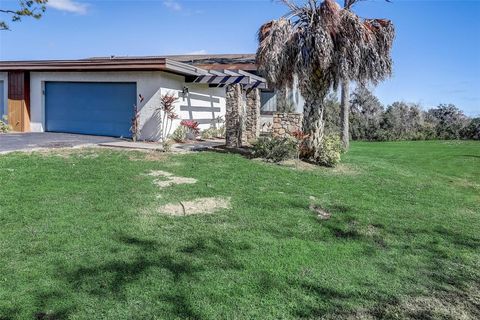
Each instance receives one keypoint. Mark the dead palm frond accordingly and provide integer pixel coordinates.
(322, 37)
(323, 45)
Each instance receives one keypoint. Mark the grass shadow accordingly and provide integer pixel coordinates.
(110, 279)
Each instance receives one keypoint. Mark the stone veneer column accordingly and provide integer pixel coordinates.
(252, 123)
(234, 115)
(285, 124)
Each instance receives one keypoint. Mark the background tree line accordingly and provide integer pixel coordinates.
(370, 120)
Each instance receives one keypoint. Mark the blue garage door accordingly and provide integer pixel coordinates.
(104, 109)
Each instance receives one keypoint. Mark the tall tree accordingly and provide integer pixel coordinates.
(448, 121)
(345, 101)
(323, 45)
(344, 115)
(332, 110)
(345, 98)
(472, 130)
(26, 8)
(402, 121)
(366, 113)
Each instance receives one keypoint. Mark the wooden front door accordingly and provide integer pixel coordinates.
(19, 101)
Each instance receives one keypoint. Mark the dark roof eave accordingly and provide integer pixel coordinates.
(162, 64)
(180, 64)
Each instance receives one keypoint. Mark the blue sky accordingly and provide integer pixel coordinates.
(436, 51)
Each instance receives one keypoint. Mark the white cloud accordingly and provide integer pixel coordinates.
(68, 6)
(173, 5)
(197, 52)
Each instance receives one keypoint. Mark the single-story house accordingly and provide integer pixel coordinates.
(97, 95)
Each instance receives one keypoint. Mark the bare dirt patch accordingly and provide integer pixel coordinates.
(321, 213)
(344, 169)
(168, 179)
(298, 165)
(137, 155)
(465, 183)
(340, 169)
(458, 305)
(197, 206)
(66, 153)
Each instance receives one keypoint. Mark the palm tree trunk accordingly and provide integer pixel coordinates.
(313, 126)
(281, 95)
(344, 115)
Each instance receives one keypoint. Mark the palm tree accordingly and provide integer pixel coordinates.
(345, 115)
(323, 45)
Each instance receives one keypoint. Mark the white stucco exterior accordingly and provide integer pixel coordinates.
(201, 103)
(295, 97)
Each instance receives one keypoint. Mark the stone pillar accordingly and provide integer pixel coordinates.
(285, 124)
(234, 116)
(252, 123)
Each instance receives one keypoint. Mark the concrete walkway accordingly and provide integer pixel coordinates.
(151, 146)
(199, 145)
(12, 142)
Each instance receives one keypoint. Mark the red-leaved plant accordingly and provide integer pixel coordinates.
(191, 125)
(167, 108)
(300, 136)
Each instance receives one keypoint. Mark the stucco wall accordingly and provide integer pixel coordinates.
(151, 85)
(295, 97)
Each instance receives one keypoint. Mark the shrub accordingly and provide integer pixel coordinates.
(208, 133)
(212, 133)
(167, 145)
(472, 131)
(192, 125)
(221, 132)
(192, 128)
(330, 151)
(275, 149)
(4, 127)
(180, 134)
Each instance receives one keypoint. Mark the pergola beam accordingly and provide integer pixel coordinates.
(213, 79)
(221, 78)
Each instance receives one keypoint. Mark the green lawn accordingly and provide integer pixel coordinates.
(81, 237)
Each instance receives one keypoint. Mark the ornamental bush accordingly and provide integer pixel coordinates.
(4, 127)
(180, 134)
(330, 151)
(208, 133)
(221, 132)
(275, 149)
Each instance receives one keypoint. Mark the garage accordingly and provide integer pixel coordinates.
(95, 108)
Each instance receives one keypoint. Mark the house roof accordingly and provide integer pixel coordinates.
(214, 70)
(150, 64)
(192, 65)
(245, 62)
(206, 61)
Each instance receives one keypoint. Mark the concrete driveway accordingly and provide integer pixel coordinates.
(27, 141)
